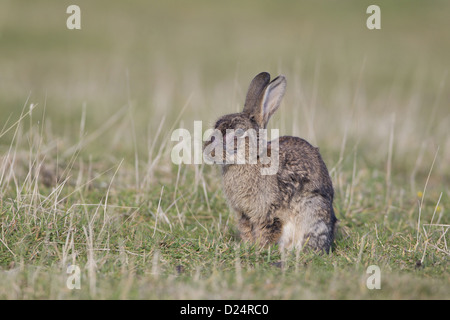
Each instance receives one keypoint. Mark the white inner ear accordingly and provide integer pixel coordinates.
(272, 100)
(266, 102)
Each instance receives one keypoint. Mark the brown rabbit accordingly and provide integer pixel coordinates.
(292, 207)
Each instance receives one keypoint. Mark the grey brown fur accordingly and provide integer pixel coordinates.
(292, 207)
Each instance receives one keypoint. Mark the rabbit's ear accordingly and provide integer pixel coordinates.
(255, 91)
(270, 100)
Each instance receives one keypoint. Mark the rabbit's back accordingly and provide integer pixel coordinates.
(302, 170)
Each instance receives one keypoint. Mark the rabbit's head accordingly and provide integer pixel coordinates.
(262, 100)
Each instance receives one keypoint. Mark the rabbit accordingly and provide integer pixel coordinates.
(294, 206)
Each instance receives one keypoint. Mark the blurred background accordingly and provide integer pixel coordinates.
(86, 175)
(172, 62)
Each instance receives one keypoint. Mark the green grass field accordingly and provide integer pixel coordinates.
(86, 177)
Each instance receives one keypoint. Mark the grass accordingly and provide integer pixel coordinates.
(85, 172)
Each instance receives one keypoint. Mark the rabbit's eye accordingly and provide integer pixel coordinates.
(239, 133)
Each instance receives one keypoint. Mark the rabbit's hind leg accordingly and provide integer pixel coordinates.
(319, 228)
(311, 227)
(319, 238)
